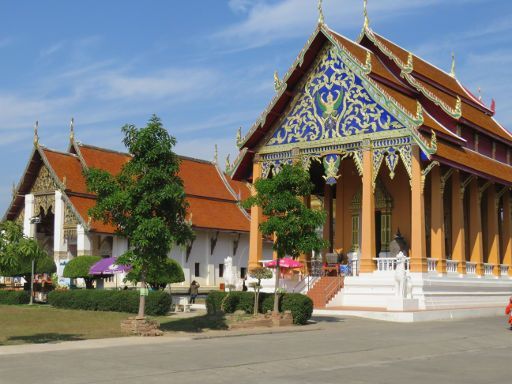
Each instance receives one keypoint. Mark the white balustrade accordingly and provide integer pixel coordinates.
(451, 266)
(470, 268)
(432, 264)
(504, 270)
(488, 269)
(388, 264)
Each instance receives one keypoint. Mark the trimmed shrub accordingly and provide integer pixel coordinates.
(301, 306)
(79, 268)
(157, 303)
(14, 297)
(214, 302)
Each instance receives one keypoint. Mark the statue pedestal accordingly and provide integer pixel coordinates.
(402, 304)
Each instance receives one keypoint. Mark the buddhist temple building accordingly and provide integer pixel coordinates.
(393, 144)
(51, 202)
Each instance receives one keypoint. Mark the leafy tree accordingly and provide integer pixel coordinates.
(169, 272)
(17, 253)
(79, 268)
(292, 224)
(259, 274)
(146, 201)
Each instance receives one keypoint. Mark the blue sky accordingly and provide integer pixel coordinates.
(204, 66)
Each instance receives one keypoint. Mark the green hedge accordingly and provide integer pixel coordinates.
(300, 305)
(157, 303)
(14, 297)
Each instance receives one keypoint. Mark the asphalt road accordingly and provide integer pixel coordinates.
(344, 351)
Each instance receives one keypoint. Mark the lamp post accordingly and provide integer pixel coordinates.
(33, 221)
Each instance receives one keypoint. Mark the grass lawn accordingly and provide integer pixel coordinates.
(43, 324)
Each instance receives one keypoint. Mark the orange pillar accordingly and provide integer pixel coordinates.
(418, 241)
(368, 248)
(338, 233)
(475, 228)
(328, 232)
(255, 237)
(437, 220)
(458, 242)
(492, 230)
(507, 232)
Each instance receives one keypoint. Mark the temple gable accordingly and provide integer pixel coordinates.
(332, 103)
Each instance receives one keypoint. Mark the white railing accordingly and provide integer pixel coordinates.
(470, 268)
(451, 266)
(504, 270)
(387, 264)
(488, 269)
(431, 265)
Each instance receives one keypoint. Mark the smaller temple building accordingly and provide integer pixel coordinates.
(51, 202)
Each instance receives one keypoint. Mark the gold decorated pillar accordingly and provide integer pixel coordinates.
(437, 236)
(368, 248)
(328, 227)
(507, 232)
(492, 230)
(458, 241)
(475, 228)
(338, 233)
(418, 257)
(255, 237)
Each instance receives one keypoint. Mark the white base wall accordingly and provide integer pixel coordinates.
(377, 290)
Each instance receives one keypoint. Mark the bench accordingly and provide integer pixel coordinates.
(183, 305)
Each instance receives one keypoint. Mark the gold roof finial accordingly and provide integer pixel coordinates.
(365, 12)
(72, 129)
(239, 136)
(452, 71)
(228, 164)
(36, 135)
(277, 82)
(14, 190)
(321, 18)
(215, 155)
(479, 94)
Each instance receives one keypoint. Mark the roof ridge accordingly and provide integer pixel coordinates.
(183, 157)
(57, 151)
(80, 144)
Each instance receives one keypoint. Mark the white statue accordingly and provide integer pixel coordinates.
(401, 279)
(230, 277)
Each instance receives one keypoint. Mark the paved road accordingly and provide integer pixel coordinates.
(343, 351)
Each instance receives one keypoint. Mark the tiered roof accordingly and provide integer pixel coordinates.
(413, 85)
(213, 199)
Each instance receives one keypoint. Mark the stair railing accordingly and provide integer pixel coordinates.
(333, 288)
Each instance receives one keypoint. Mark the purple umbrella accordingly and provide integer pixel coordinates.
(108, 267)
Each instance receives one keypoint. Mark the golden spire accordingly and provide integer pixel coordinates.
(72, 129)
(228, 164)
(36, 135)
(215, 155)
(365, 12)
(321, 18)
(14, 190)
(452, 71)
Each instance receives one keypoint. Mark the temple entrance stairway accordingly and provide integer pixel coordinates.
(325, 289)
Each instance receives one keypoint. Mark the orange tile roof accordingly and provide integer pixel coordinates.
(82, 205)
(67, 166)
(101, 158)
(215, 214)
(467, 158)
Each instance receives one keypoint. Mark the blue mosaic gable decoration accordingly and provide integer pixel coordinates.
(332, 103)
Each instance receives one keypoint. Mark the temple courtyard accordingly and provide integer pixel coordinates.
(335, 350)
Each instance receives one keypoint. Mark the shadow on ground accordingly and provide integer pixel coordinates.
(195, 324)
(327, 319)
(43, 338)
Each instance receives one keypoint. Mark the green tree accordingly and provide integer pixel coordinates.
(79, 268)
(259, 274)
(159, 277)
(292, 224)
(146, 201)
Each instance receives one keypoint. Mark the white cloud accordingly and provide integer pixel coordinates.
(52, 49)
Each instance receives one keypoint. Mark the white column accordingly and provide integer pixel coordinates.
(29, 213)
(119, 246)
(59, 248)
(83, 242)
(208, 247)
(184, 265)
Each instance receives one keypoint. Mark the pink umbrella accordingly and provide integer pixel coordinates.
(285, 262)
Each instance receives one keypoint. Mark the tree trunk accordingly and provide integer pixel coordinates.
(276, 294)
(142, 298)
(89, 283)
